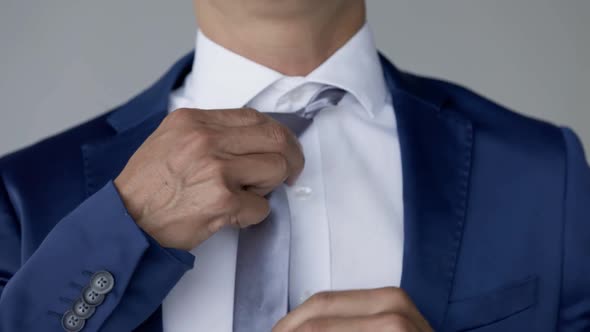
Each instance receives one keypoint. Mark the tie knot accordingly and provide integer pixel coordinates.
(301, 119)
(325, 97)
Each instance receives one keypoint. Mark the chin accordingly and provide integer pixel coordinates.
(279, 8)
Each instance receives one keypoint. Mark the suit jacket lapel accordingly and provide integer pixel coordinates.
(133, 123)
(436, 148)
(105, 159)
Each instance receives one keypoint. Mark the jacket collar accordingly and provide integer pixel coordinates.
(436, 144)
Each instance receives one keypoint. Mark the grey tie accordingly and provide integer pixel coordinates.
(262, 272)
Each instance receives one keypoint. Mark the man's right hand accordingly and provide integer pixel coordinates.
(202, 170)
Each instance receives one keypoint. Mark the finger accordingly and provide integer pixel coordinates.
(380, 322)
(259, 173)
(354, 303)
(236, 117)
(266, 138)
(253, 209)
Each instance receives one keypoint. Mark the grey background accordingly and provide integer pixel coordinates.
(64, 61)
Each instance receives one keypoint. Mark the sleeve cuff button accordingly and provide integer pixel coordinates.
(91, 297)
(71, 322)
(102, 282)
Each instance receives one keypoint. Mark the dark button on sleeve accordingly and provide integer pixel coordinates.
(83, 309)
(91, 297)
(71, 322)
(102, 282)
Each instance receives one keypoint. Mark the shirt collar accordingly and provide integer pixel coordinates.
(356, 68)
(225, 79)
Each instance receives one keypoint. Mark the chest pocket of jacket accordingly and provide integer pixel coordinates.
(491, 307)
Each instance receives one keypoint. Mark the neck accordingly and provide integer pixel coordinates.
(293, 44)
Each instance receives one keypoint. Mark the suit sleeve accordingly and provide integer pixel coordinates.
(99, 235)
(575, 293)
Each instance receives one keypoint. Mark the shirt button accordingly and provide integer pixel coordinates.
(102, 282)
(303, 192)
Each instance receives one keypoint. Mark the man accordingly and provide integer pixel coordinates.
(410, 204)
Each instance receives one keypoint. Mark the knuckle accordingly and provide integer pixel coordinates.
(178, 117)
(393, 297)
(249, 115)
(401, 295)
(278, 134)
(321, 299)
(394, 293)
(280, 166)
(394, 322)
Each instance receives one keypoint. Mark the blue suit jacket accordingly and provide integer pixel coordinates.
(497, 209)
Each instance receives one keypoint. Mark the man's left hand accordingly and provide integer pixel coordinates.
(382, 309)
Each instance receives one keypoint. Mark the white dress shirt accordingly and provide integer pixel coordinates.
(346, 207)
